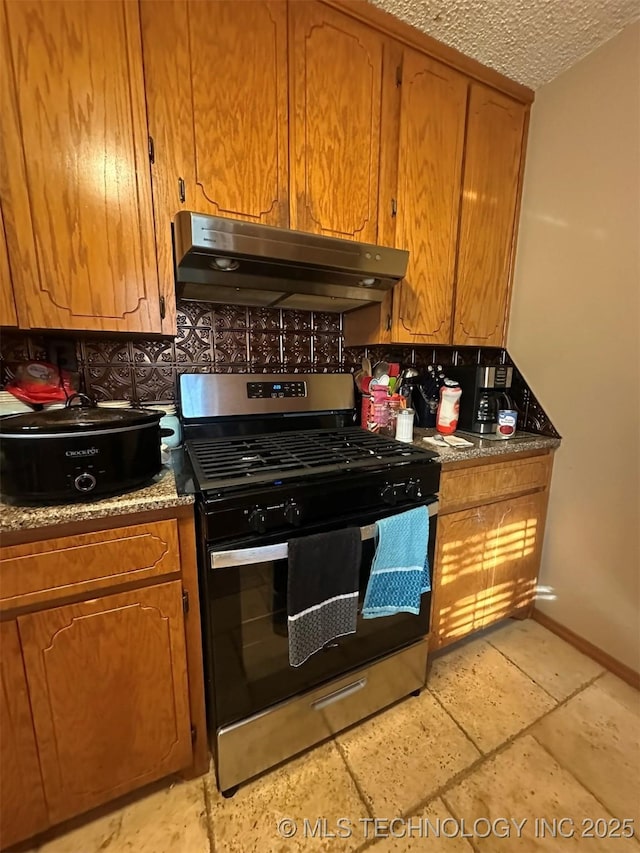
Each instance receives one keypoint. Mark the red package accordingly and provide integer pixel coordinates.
(38, 382)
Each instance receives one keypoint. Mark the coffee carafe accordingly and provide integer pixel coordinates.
(484, 392)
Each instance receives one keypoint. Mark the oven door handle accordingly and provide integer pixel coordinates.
(280, 551)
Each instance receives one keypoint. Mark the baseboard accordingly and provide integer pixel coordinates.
(615, 666)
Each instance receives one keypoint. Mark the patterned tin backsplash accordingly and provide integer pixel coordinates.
(233, 339)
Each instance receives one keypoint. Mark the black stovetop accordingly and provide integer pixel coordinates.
(253, 460)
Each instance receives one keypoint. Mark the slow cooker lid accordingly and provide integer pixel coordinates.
(81, 418)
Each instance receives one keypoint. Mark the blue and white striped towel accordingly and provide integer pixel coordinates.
(400, 570)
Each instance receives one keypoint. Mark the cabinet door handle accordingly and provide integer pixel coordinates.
(181, 190)
(394, 207)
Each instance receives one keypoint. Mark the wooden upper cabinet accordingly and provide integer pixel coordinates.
(432, 121)
(8, 316)
(22, 806)
(335, 97)
(77, 204)
(216, 77)
(109, 696)
(216, 83)
(494, 147)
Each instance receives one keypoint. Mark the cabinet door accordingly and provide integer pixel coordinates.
(79, 190)
(335, 102)
(22, 806)
(432, 119)
(216, 83)
(515, 538)
(108, 686)
(7, 304)
(491, 186)
(464, 562)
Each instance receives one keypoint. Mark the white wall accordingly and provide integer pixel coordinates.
(574, 333)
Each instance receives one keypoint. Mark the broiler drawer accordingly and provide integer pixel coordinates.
(52, 568)
(247, 748)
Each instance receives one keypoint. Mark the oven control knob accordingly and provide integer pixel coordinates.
(258, 521)
(389, 495)
(293, 514)
(85, 482)
(412, 490)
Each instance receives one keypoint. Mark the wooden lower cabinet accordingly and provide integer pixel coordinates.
(102, 688)
(487, 561)
(22, 806)
(108, 687)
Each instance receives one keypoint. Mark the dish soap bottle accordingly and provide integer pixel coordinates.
(448, 407)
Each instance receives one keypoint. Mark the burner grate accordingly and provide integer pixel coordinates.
(225, 462)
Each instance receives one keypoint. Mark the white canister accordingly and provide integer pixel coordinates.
(507, 420)
(404, 425)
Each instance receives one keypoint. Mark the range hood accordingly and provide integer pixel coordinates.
(241, 263)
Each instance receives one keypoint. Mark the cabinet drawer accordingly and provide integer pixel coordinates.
(485, 483)
(68, 565)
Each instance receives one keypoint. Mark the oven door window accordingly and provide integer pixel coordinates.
(248, 644)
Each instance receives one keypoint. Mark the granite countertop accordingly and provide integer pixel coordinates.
(161, 494)
(482, 447)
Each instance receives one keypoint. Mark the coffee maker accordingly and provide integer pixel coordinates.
(484, 392)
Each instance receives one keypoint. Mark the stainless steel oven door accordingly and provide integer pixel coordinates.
(245, 621)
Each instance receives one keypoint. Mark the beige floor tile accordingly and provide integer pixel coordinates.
(172, 820)
(525, 782)
(402, 756)
(486, 694)
(440, 836)
(596, 736)
(315, 786)
(544, 657)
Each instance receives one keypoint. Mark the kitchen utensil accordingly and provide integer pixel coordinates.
(366, 366)
(406, 374)
(78, 453)
(358, 376)
(381, 369)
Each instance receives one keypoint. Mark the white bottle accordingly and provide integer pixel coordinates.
(449, 407)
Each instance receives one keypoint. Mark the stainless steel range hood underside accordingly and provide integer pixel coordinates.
(231, 261)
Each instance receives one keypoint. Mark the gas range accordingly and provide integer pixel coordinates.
(271, 459)
(258, 467)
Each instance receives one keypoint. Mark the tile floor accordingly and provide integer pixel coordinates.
(516, 728)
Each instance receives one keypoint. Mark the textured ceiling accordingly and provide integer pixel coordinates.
(531, 41)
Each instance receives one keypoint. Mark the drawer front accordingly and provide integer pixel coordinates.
(247, 748)
(40, 571)
(468, 487)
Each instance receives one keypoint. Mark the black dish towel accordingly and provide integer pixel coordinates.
(322, 590)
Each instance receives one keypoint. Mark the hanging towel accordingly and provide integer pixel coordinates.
(322, 590)
(400, 570)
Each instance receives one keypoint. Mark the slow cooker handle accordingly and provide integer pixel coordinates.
(82, 398)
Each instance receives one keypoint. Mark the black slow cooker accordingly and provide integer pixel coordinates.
(80, 452)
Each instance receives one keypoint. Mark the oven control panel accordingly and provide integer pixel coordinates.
(274, 390)
(393, 493)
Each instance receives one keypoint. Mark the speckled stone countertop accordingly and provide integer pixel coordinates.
(484, 448)
(161, 494)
